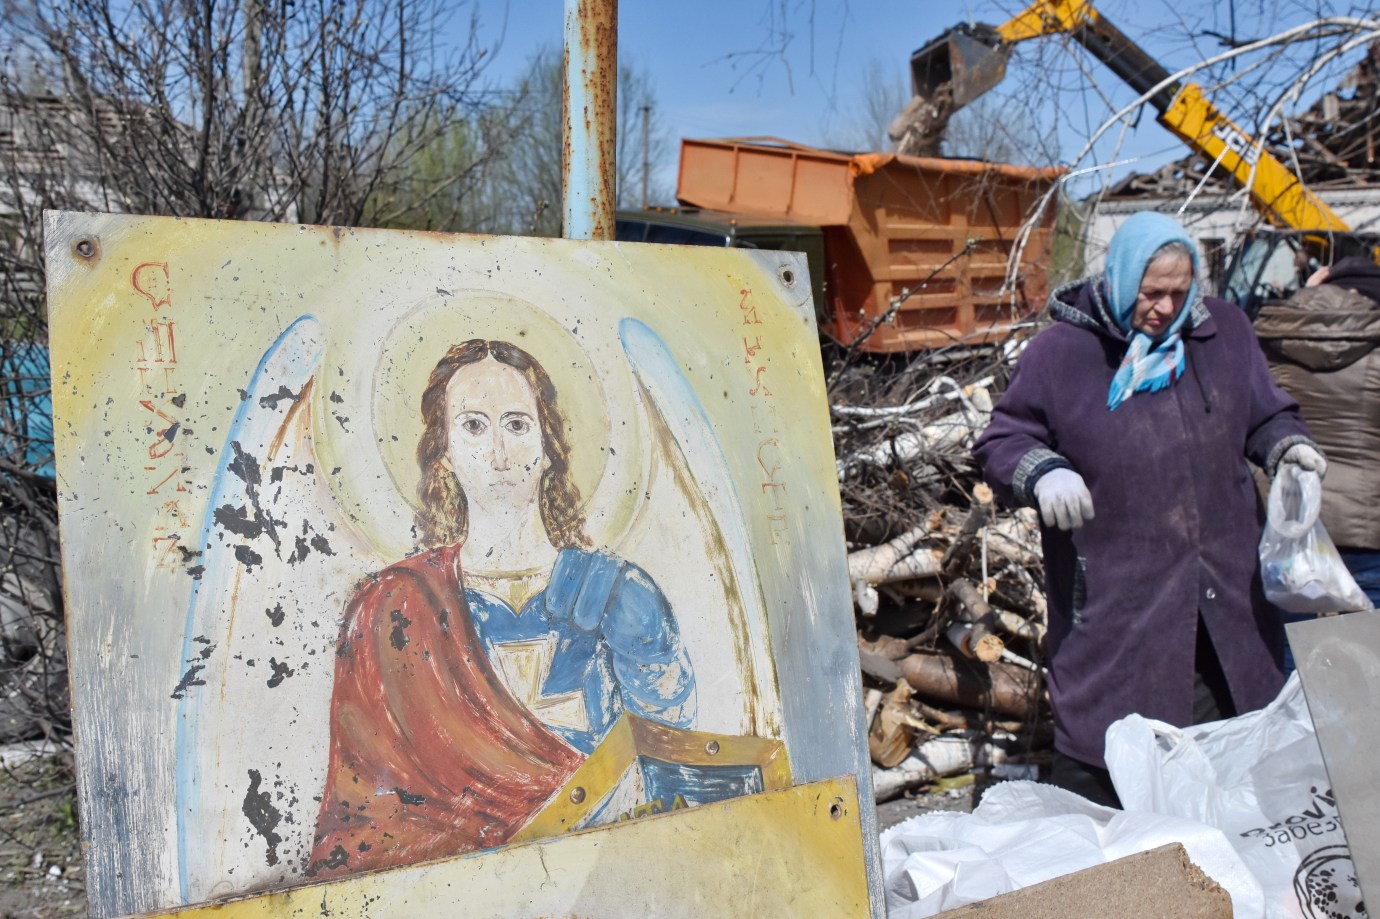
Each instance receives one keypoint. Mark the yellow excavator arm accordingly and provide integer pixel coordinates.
(1047, 17)
(1276, 190)
(967, 61)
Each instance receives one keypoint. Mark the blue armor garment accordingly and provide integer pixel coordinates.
(598, 640)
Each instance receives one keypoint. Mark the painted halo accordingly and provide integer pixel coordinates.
(371, 464)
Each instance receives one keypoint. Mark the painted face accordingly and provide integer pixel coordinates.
(1163, 292)
(494, 445)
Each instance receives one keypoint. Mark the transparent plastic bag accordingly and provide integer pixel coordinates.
(1300, 567)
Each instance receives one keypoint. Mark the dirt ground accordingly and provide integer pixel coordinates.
(40, 850)
(948, 795)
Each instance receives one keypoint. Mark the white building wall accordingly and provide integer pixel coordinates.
(1218, 219)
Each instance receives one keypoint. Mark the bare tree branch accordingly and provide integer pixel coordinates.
(295, 110)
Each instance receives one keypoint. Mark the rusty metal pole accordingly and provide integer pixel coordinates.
(646, 150)
(590, 104)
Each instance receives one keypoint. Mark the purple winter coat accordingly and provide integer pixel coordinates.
(1178, 518)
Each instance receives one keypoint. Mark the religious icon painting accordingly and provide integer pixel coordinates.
(382, 548)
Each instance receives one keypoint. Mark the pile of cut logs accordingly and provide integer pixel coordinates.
(947, 585)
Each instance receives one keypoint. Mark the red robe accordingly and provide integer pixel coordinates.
(430, 754)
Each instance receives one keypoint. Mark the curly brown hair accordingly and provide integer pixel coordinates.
(443, 517)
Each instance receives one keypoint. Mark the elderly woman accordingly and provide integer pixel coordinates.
(1129, 424)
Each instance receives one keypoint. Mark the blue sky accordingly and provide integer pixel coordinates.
(715, 75)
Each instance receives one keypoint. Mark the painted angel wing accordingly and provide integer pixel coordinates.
(280, 561)
(696, 495)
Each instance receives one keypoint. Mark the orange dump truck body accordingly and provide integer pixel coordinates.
(895, 228)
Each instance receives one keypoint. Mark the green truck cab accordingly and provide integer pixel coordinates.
(691, 226)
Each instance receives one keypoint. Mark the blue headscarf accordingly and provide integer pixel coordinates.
(1150, 364)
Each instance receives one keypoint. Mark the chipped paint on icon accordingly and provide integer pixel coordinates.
(383, 547)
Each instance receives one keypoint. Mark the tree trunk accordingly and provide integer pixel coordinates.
(1005, 689)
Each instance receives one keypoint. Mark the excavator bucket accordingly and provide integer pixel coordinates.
(964, 63)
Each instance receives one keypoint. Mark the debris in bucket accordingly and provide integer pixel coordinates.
(918, 129)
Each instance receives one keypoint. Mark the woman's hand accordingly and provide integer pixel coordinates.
(1064, 499)
(1301, 455)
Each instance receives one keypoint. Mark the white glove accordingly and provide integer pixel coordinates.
(1301, 455)
(1064, 499)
